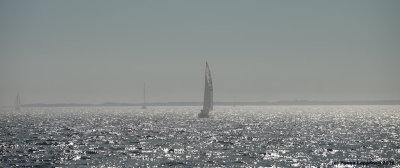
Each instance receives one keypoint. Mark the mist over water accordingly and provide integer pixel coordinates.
(239, 136)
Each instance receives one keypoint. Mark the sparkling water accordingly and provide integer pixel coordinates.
(241, 136)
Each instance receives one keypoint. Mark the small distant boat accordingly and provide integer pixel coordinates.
(17, 103)
(208, 95)
(144, 97)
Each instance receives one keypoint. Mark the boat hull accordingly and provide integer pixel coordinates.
(203, 115)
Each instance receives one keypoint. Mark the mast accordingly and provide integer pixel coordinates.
(144, 96)
(17, 103)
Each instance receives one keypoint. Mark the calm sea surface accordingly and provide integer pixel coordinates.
(242, 136)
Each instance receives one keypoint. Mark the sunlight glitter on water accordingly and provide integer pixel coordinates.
(241, 136)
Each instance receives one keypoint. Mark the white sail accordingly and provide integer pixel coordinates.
(144, 96)
(208, 94)
(17, 104)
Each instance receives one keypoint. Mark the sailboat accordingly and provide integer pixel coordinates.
(17, 104)
(144, 97)
(208, 95)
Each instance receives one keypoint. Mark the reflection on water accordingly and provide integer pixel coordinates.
(174, 136)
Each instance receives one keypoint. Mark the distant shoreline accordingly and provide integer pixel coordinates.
(259, 103)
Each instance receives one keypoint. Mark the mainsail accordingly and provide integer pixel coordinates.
(17, 104)
(144, 96)
(208, 94)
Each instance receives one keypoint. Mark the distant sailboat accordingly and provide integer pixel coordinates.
(208, 95)
(144, 96)
(17, 104)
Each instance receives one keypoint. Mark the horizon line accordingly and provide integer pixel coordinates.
(222, 103)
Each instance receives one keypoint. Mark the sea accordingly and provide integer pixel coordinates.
(163, 136)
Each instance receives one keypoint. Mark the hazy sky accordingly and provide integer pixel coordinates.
(101, 51)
